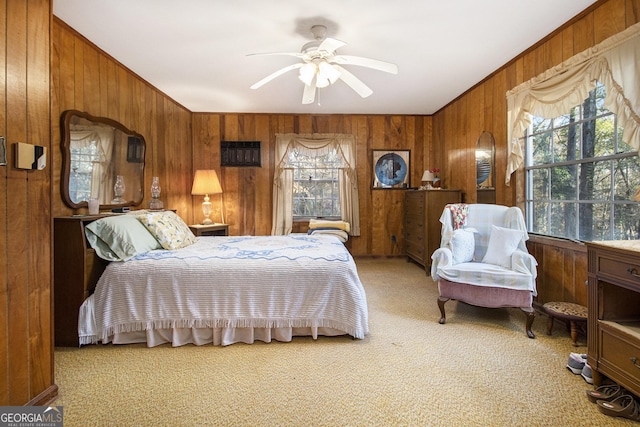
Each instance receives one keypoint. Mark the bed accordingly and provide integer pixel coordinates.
(218, 290)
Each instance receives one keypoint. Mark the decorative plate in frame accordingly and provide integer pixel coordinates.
(390, 169)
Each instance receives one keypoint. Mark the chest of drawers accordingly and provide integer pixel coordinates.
(422, 226)
(614, 312)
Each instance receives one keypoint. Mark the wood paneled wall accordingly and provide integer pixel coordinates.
(483, 108)
(248, 191)
(26, 339)
(85, 78)
(562, 270)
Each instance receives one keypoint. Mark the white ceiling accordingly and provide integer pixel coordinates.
(195, 50)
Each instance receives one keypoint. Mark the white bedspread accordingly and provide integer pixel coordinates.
(295, 281)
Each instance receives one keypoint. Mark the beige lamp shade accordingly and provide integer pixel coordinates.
(206, 182)
(428, 176)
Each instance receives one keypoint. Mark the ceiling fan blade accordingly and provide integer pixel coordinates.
(297, 55)
(362, 89)
(309, 94)
(276, 74)
(387, 67)
(330, 45)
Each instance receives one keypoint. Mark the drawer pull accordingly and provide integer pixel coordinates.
(634, 360)
(633, 272)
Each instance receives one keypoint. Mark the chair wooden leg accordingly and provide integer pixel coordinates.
(531, 315)
(441, 302)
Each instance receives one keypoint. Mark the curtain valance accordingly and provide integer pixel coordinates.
(615, 63)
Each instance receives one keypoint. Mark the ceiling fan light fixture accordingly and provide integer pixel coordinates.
(307, 72)
(326, 71)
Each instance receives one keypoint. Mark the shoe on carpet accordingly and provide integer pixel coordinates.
(576, 362)
(606, 393)
(587, 374)
(622, 406)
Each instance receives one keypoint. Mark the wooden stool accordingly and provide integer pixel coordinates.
(569, 312)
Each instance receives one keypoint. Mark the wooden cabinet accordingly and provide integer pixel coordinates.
(614, 312)
(76, 270)
(422, 211)
(210, 230)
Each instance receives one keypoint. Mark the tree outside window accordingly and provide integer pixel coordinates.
(315, 185)
(83, 158)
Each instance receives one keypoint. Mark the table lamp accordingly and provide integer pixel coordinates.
(206, 182)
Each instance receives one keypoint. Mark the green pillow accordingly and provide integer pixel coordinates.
(120, 237)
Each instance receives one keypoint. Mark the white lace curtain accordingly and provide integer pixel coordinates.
(314, 144)
(615, 63)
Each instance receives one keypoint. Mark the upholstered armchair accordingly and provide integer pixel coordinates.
(483, 259)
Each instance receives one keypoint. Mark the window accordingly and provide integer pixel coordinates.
(83, 158)
(339, 186)
(316, 191)
(581, 177)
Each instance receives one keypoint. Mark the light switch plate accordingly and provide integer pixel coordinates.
(30, 156)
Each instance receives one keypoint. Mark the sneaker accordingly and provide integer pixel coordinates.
(577, 362)
(587, 374)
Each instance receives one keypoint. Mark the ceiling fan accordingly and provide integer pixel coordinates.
(321, 66)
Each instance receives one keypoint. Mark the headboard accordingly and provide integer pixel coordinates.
(76, 270)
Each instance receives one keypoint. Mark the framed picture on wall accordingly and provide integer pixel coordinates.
(390, 169)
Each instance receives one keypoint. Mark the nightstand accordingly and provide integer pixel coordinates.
(210, 230)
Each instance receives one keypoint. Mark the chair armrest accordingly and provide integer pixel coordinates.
(441, 258)
(524, 262)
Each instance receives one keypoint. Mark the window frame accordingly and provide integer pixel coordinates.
(334, 172)
(614, 158)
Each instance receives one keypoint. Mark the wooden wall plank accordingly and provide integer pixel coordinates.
(609, 19)
(632, 12)
(567, 43)
(4, 242)
(553, 51)
(39, 236)
(17, 254)
(583, 34)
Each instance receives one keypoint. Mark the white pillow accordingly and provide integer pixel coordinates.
(463, 245)
(503, 242)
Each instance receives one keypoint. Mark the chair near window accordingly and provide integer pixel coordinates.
(483, 259)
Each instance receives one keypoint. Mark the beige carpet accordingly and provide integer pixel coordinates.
(479, 369)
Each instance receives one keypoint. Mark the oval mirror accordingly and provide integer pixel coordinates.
(101, 159)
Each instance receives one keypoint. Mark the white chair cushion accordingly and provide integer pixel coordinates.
(503, 242)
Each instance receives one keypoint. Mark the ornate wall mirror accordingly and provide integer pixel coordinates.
(485, 162)
(101, 159)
